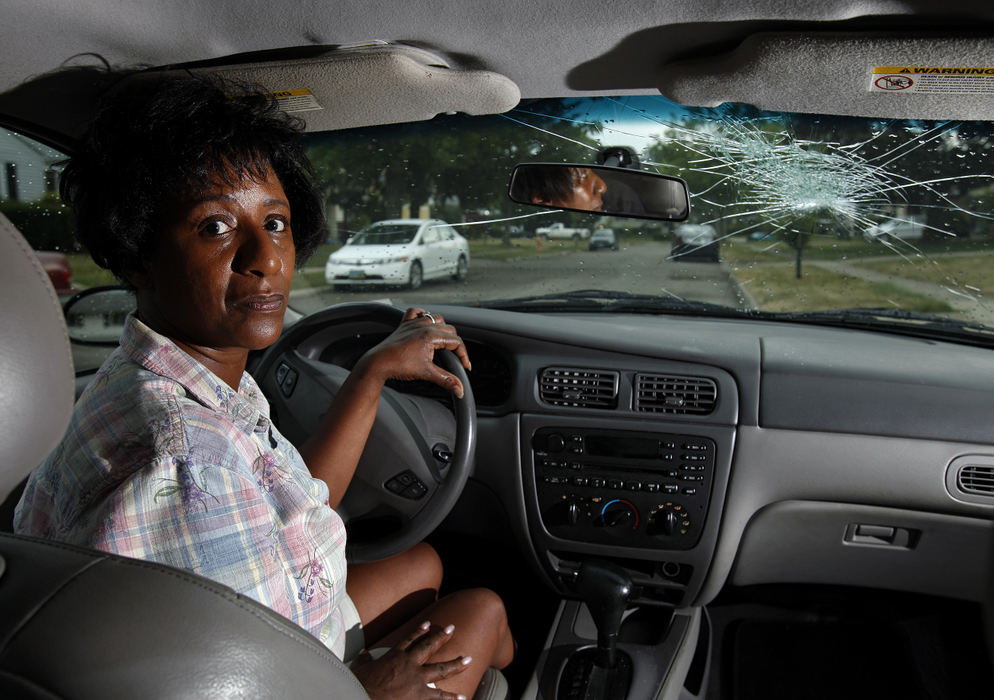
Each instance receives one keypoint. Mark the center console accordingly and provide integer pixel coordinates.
(642, 498)
(646, 495)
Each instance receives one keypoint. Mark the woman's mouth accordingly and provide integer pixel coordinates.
(264, 303)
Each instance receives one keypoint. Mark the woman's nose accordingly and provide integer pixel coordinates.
(259, 254)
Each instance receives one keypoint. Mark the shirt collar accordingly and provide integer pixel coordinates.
(155, 352)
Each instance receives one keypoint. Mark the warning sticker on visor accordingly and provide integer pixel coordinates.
(297, 100)
(949, 80)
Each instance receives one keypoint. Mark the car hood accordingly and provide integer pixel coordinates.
(357, 253)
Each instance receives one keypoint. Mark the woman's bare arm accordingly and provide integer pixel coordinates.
(333, 451)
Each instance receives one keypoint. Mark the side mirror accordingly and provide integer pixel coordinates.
(96, 316)
(600, 189)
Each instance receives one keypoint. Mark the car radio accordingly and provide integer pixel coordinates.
(640, 489)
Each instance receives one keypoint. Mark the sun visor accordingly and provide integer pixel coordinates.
(854, 74)
(375, 84)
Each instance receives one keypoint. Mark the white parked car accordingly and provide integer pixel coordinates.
(400, 252)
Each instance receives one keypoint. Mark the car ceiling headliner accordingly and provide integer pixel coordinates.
(547, 49)
(512, 37)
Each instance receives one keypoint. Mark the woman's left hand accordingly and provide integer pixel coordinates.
(408, 353)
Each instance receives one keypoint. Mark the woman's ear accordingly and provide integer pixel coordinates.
(139, 279)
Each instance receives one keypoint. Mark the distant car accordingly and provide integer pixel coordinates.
(760, 236)
(399, 252)
(603, 238)
(695, 242)
(59, 271)
(907, 229)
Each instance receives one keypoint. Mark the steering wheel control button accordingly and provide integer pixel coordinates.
(579, 497)
(287, 378)
(408, 485)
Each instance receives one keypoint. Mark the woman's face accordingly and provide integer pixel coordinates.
(220, 275)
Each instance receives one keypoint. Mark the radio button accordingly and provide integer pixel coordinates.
(616, 484)
(691, 477)
(670, 488)
(580, 481)
(690, 491)
(652, 487)
(597, 482)
(633, 485)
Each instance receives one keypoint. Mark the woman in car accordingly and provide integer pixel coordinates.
(201, 202)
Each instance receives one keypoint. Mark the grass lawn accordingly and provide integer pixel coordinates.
(738, 250)
(975, 272)
(86, 273)
(775, 288)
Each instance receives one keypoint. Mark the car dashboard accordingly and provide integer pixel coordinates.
(699, 453)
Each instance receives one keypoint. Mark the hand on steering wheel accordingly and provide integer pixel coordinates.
(408, 353)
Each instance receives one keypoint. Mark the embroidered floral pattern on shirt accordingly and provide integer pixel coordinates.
(310, 577)
(191, 492)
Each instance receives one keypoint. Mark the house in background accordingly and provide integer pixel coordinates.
(28, 169)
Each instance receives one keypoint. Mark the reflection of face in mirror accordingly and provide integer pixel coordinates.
(570, 188)
(600, 189)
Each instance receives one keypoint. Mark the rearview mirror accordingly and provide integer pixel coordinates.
(601, 190)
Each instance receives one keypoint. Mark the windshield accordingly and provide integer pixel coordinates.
(808, 213)
(385, 234)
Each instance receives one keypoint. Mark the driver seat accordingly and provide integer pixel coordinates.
(78, 623)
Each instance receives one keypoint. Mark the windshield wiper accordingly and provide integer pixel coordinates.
(908, 322)
(612, 301)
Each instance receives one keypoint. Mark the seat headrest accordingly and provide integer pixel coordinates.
(36, 371)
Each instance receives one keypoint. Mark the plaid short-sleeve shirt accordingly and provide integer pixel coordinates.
(164, 461)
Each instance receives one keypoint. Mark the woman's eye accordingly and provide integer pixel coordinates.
(276, 225)
(215, 227)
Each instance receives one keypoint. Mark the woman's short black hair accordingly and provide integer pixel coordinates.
(549, 184)
(159, 138)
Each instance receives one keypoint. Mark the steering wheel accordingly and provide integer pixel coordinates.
(418, 454)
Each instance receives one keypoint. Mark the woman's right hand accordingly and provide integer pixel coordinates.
(403, 673)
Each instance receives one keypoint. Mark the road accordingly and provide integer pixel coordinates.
(641, 269)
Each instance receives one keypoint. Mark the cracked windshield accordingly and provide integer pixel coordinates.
(789, 212)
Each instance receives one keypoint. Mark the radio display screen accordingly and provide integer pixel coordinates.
(629, 447)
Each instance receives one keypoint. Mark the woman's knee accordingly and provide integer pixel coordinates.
(427, 565)
(487, 608)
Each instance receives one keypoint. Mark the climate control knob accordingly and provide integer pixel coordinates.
(668, 519)
(621, 514)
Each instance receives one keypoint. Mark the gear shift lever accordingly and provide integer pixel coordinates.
(601, 673)
(605, 588)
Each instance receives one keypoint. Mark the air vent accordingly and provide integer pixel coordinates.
(579, 388)
(976, 479)
(656, 393)
(970, 478)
